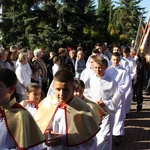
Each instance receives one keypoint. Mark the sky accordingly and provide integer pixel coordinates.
(145, 4)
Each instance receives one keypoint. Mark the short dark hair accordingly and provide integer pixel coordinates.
(79, 48)
(33, 86)
(64, 76)
(64, 66)
(95, 51)
(55, 59)
(99, 44)
(79, 84)
(8, 77)
(115, 45)
(126, 50)
(116, 54)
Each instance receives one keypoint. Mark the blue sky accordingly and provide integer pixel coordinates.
(145, 4)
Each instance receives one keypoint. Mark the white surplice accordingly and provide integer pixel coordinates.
(30, 107)
(105, 88)
(121, 76)
(132, 72)
(86, 74)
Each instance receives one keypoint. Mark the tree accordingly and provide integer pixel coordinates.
(73, 17)
(13, 25)
(103, 18)
(55, 23)
(126, 18)
(44, 23)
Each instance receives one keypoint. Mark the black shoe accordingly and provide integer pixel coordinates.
(127, 116)
(134, 99)
(117, 140)
(139, 108)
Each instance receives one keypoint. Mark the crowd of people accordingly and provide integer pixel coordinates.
(63, 101)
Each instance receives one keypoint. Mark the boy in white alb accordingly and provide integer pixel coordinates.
(78, 91)
(102, 89)
(133, 70)
(123, 62)
(88, 71)
(121, 76)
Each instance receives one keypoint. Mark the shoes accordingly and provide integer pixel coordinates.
(134, 99)
(139, 108)
(126, 115)
(117, 140)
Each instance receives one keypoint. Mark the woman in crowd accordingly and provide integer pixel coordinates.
(38, 63)
(23, 76)
(80, 64)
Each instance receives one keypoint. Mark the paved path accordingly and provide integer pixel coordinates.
(137, 128)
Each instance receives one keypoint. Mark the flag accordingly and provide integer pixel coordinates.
(145, 41)
(139, 35)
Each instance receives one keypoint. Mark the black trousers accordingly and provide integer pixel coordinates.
(137, 93)
(148, 86)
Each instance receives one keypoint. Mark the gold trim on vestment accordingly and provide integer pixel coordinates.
(81, 124)
(21, 126)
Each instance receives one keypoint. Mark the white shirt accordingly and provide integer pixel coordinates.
(50, 89)
(133, 67)
(30, 107)
(104, 56)
(121, 76)
(24, 78)
(27, 66)
(55, 68)
(86, 74)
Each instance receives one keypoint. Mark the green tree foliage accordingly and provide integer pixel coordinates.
(103, 17)
(73, 17)
(126, 18)
(114, 36)
(46, 23)
(55, 23)
(14, 15)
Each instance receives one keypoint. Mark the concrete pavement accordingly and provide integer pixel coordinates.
(137, 128)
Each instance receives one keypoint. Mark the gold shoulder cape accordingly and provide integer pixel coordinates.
(21, 126)
(80, 123)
